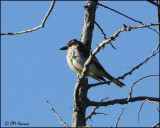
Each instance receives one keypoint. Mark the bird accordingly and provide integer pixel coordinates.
(77, 55)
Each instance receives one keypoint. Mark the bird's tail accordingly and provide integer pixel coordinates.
(115, 81)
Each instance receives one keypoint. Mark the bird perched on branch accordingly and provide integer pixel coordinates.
(77, 54)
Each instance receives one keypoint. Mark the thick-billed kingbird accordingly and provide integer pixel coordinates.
(77, 54)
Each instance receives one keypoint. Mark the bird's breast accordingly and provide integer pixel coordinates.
(72, 60)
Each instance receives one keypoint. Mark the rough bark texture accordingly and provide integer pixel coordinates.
(88, 25)
(78, 118)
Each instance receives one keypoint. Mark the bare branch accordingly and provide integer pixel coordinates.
(152, 101)
(145, 61)
(131, 71)
(33, 29)
(101, 45)
(127, 16)
(103, 33)
(101, 30)
(142, 105)
(93, 112)
(156, 125)
(130, 94)
(140, 110)
(65, 125)
(119, 118)
(122, 101)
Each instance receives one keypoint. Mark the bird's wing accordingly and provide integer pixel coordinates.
(97, 63)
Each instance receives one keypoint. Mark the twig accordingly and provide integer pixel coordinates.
(33, 29)
(140, 110)
(126, 16)
(104, 34)
(101, 30)
(142, 105)
(151, 101)
(156, 125)
(131, 71)
(57, 115)
(119, 118)
(93, 111)
(130, 93)
(122, 101)
(139, 65)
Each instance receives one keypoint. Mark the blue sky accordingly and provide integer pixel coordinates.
(34, 69)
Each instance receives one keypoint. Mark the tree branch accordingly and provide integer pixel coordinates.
(142, 106)
(119, 118)
(152, 101)
(33, 29)
(140, 110)
(122, 101)
(65, 125)
(145, 61)
(104, 34)
(131, 71)
(127, 16)
(130, 94)
(93, 111)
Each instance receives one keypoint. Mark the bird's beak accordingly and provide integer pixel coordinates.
(64, 48)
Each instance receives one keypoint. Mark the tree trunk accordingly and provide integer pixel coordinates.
(78, 118)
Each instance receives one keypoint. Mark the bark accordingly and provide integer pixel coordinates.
(79, 111)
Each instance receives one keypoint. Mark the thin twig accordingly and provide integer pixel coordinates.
(140, 110)
(142, 105)
(33, 29)
(93, 111)
(104, 34)
(139, 65)
(130, 93)
(126, 16)
(101, 30)
(119, 118)
(57, 115)
(152, 101)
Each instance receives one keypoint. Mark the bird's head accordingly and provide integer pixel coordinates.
(72, 44)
